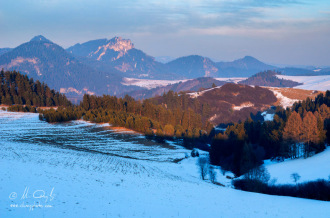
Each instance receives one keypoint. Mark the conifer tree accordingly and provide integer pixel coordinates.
(310, 133)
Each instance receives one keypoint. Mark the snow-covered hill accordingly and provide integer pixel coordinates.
(321, 83)
(310, 169)
(77, 182)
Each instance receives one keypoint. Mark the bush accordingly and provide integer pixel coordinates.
(194, 153)
(318, 190)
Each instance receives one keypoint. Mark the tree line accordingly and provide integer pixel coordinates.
(142, 116)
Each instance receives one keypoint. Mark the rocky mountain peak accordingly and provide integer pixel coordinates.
(117, 44)
(120, 44)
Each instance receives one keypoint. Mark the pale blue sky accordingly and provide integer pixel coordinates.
(293, 32)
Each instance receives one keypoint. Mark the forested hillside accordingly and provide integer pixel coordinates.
(18, 89)
(300, 131)
(222, 105)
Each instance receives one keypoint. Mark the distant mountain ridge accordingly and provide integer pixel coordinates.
(122, 55)
(99, 66)
(190, 85)
(243, 67)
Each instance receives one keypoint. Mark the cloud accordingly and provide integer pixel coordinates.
(173, 23)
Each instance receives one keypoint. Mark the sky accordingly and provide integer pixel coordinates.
(289, 32)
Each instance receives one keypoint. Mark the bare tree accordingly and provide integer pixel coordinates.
(295, 177)
(212, 174)
(203, 164)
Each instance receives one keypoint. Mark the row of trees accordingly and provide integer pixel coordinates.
(144, 117)
(18, 89)
(162, 113)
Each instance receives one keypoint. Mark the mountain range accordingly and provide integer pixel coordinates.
(99, 66)
(46, 61)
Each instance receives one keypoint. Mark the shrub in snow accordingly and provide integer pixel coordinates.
(258, 173)
(194, 153)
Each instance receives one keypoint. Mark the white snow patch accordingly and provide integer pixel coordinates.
(197, 94)
(244, 105)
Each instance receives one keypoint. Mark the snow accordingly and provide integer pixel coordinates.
(200, 93)
(267, 116)
(232, 79)
(312, 168)
(149, 83)
(97, 181)
(284, 101)
(321, 83)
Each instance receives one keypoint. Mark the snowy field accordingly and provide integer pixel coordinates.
(310, 169)
(321, 83)
(73, 170)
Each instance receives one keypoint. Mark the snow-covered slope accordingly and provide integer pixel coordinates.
(81, 183)
(150, 84)
(321, 83)
(313, 168)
